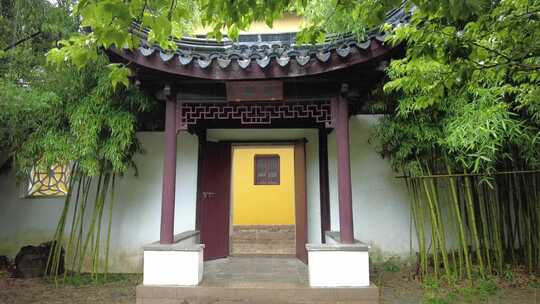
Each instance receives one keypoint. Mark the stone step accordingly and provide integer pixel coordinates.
(263, 239)
(269, 293)
(264, 236)
(259, 249)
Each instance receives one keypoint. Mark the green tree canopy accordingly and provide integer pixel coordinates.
(466, 88)
(62, 113)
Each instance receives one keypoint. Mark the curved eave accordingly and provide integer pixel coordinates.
(375, 52)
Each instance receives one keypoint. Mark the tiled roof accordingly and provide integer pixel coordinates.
(261, 49)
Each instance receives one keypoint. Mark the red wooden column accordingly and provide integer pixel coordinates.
(169, 173)
(323, 182)
(344, 171)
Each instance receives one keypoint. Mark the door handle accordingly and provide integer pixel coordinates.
(208, 194)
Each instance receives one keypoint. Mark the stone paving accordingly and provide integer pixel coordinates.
(255, 279)
(255, 272)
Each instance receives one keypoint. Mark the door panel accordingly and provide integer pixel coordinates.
(300, 201)
(214, 199)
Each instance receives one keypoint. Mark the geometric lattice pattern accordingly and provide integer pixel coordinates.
(253, 113)
(46, 182)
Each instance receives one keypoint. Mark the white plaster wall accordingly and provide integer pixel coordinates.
(381, 213)
(380, 202)
(24, 221)
(137, 215)
(137, 209)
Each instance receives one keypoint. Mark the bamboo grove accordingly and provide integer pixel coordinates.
(468, 227)
(82, 229)
(463, 126)
(52, 115)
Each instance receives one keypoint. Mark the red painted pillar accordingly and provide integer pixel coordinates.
(323, 182)
(169, 173)
(344, 172)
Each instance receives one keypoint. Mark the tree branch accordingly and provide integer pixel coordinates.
(9, 47)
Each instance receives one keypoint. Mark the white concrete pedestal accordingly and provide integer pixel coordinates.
(178, 264)
(338, 265)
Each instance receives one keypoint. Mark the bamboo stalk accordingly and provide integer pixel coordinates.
(536, 192)
(90, 233)
(510, 224)
(100, 205)
(497, 234)
(53, 259)
(441, 235)
(69, 247)
(472, 224)
(462, 237)
(78, 250)
(436, 236)
(418, 219)
(528, 224)
(111, 204)
(518, 214)
(485, 231)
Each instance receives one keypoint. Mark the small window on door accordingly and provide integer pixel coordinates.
(266, 169)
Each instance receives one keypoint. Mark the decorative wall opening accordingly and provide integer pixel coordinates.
(48, 182)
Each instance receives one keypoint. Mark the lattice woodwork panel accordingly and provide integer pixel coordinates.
(189, 114)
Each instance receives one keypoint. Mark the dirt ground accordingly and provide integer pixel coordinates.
(26, 291)
(396, 288)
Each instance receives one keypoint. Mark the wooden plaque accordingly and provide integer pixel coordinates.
(262, 90)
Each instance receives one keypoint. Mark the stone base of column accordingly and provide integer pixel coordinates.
(338, 265)
(177, 264)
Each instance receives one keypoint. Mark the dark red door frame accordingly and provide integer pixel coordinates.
(300, 188)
